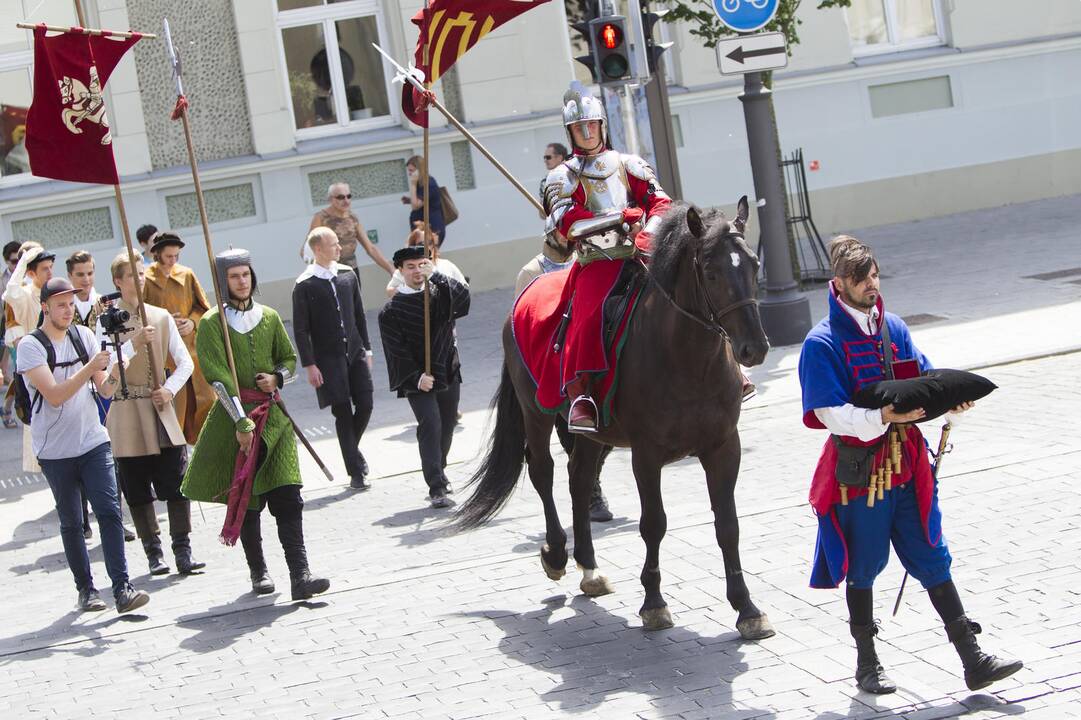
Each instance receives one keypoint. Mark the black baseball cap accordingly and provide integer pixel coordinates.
(56, 286)
(43, 255)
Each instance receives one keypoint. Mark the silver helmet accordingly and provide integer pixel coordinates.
(580, 106)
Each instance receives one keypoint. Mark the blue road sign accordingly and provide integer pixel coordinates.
(745, 15)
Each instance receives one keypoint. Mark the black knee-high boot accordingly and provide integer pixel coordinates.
(180, 531)
(146, 527)
(291, 535)
(870, 676)
(981, 669)
(251, 540)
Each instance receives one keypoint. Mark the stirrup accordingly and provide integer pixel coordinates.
(583, 429)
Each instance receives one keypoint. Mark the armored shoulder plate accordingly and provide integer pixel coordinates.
(558, 188)
(639, 168)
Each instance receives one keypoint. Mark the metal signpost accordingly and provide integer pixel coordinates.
(785, 312)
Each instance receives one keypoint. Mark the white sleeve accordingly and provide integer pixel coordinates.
(850, 420)
(182, 358)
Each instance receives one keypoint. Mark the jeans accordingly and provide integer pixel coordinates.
(351, 416)
(436, 414)
(92, 473)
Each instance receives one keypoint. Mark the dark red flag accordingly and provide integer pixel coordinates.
(454, 27)
(67, 131)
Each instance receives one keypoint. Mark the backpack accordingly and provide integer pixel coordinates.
(25, 405)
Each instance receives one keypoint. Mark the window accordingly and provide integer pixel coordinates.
(336, 79)
(16, 60)
(882, 26)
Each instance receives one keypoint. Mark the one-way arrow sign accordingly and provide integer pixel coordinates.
(752, 53)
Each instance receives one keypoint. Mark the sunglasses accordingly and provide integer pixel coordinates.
(344, 197)
(549, 157)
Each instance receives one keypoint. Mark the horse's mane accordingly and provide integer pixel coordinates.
(672, 237)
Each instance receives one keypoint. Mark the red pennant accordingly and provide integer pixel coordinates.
(454, 26)
(67, 132)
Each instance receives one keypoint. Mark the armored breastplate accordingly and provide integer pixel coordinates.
(604, 180)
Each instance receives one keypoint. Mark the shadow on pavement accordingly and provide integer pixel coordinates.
(65, 636)
(866, 705)
(595, 653)
(425, 525)
(221, 626)
(29, 532)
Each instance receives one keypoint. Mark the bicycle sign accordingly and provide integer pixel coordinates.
(745, 15)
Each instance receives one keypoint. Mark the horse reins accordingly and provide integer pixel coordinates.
(714, 322)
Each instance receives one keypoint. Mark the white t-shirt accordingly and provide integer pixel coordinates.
(74, 428)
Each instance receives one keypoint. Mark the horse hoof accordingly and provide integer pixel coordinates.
(656, 618)
(551, 572)
(596, 586)
(755, 628)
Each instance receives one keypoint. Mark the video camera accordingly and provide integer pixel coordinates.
(113, 318)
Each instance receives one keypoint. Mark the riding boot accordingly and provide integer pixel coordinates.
(598, 505)
(180, 531)
(146, 527)
(870, 676)
(981, 669)
(291, 534)
(251, 540)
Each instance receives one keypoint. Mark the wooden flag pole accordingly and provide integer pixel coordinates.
(427, 206)
(200, 201)
(87, 31)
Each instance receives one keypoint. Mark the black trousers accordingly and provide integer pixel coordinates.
(351, 416)
(436, 414)
(146, 478)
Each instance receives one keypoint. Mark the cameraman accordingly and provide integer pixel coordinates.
(147, 440)
(71, 444)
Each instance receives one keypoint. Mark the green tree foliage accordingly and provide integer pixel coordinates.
(704, 23)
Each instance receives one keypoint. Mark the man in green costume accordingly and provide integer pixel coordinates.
(246, 455)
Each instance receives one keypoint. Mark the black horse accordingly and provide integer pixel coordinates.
(679, 395)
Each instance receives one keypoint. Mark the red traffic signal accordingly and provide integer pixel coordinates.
(610, 36)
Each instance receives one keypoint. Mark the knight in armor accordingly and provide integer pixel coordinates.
(246, 455)
(595, 182)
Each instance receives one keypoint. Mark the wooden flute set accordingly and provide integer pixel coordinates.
(886, 465)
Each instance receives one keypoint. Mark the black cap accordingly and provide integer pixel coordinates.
(43, 255)
(414, 252)
(56, 286)
(164, 239)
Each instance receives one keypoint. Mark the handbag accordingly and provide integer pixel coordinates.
(450, 210)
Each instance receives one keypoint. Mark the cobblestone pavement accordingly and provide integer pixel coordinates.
(423, 624)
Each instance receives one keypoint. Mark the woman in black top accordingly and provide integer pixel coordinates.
(416, 200)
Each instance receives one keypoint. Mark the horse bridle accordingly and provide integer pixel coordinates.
(714, 322)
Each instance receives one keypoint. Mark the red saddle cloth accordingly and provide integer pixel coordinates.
(535, 322)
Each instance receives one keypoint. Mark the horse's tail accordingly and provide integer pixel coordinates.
(498, 474)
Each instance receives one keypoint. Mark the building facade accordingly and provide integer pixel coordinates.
(907, 108)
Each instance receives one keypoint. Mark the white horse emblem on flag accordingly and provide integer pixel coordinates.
(86, 104)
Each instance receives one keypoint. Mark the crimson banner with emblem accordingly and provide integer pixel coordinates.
(67, 131)
(454, 26)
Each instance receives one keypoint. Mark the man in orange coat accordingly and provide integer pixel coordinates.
(174, 287)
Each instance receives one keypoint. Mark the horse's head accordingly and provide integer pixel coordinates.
(721, 286)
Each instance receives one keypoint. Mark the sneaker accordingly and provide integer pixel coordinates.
(88, 532)
(129, 599)
(358, 483)
(90, 601)
(129, 534)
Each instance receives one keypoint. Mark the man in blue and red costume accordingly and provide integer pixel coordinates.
(843, 353)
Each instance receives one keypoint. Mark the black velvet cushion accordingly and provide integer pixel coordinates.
(937, 392)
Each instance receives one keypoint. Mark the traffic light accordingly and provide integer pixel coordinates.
(589, 59)
(611, 49)
(654, 50)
